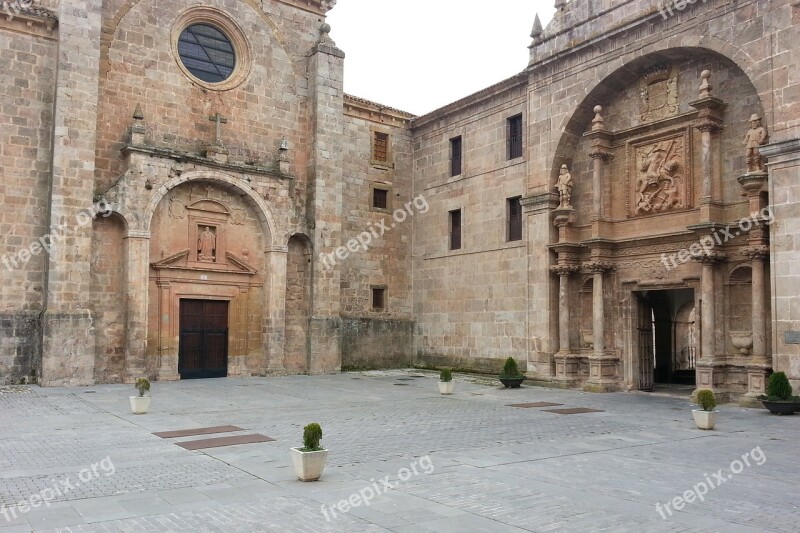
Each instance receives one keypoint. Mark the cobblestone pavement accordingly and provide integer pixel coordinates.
(492, 467)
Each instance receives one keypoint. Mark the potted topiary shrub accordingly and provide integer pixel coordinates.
(309, 461)
(705, 418)
(446, 381)
(511, 377)
(140, 404)
(779, 399)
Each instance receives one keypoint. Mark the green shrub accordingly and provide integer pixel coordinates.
(142, 385)
(510, 369)
(778, 388)
(446, 375)
(706, 400)
(312, 434)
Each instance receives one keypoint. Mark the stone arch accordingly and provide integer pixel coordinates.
(298, 303)
(111, 24)
(250, 197)
(613, 78)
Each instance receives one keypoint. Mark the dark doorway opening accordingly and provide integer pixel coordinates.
(203, 349)
(667, 338)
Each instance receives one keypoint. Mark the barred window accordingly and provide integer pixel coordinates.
(207, 53)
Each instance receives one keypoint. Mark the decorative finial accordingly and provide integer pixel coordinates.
(705, 87)
(137, 129)
(537, 31)
(599, 122)
(325, 37)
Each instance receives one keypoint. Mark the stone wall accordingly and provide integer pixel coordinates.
(470, 304)
(27, 91)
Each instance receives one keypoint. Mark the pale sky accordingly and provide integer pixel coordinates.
(418, 55)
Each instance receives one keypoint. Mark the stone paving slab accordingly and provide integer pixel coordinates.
(492, 467)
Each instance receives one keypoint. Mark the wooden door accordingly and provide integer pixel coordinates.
(203, 349)
(646, 348)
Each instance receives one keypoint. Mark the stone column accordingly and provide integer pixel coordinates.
(709, 121)
(275, 310)
(601, 140)
(603, 367)
(137, 245)
(68, 338)
(326, 89)
(710, 370)
(542, 313)
(783, 164)
(167, 348)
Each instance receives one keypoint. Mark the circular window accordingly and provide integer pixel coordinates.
(207, 53)
(210, 48)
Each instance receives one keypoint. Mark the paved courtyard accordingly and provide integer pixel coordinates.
(467, 462)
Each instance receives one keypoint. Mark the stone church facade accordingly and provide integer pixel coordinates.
(186, 191)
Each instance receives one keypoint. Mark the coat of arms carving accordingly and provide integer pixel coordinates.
(658, 92)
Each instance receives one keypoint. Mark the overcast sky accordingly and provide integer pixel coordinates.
(418, 55)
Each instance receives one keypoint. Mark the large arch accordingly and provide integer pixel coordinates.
(614, 79)
(226, 181)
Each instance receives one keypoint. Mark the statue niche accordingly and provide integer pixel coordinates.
(207, 245)
(660, 181)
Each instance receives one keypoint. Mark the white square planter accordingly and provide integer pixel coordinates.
(309, 465)
(705, 419)
(140, 404)
(446, 387)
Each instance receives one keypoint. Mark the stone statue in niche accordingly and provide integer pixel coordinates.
(754, 140)
(564, 186)
(658, 182)
(207, 246)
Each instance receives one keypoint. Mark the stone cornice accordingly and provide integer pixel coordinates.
(187, 157)
(318, 7)
(29, 20)
(375, 112)
(490, 92)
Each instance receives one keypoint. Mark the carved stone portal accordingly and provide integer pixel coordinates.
(658, 93)
(660, 177)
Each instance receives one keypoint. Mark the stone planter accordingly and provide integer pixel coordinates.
(446, 387)
(781, 408)
(512, 383)
(309, 465)
(140, 404)
(705, 419)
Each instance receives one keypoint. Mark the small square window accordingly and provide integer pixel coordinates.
(455, 156)
(379, 298)
(515, 137)
(380, 198)
(455, 229)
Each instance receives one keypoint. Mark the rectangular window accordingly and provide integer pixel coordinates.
(380, 147)
(378, 298)
(515, 137)
(455, 156)
(514, 209)
(455, 229)
(380, 199)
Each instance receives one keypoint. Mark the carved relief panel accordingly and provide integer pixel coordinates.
(660, 172)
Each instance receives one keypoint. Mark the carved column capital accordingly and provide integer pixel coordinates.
(757, 252)
(710, 257)
(597, 267)
(600, 153)
(564, 269)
